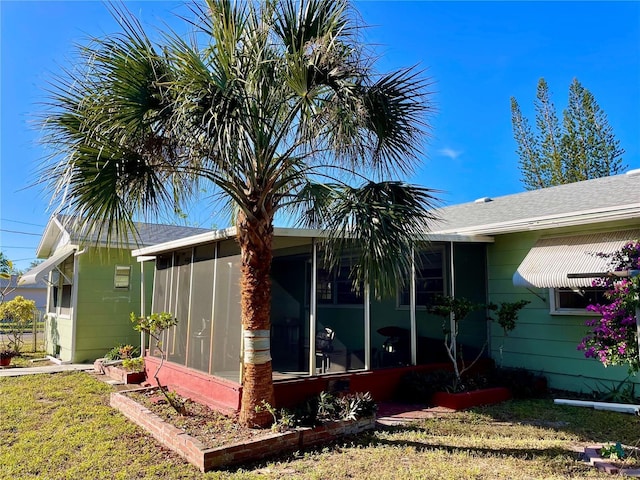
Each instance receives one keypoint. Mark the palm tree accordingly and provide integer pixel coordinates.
(273, 104)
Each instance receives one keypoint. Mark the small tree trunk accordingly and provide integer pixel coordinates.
(255, 240)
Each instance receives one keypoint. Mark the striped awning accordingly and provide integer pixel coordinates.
(551, 259)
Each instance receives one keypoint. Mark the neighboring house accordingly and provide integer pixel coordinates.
(92, 287)
(320, 326)
(9, 289)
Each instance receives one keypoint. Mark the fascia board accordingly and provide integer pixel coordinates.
(53, 235)
(230, 232)
(185, 242)
(585, 217)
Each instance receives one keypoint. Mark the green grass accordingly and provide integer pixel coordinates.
(61, 427)
(25, 359)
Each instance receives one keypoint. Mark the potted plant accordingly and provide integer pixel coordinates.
(6, 354)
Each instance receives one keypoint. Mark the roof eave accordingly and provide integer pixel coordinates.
(285, 232)
(52, 232)
(624, 212)
(185, 242)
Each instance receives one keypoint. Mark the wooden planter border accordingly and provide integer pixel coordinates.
(207, 459)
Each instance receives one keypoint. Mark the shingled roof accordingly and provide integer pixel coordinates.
(78, 233)
(591, 201)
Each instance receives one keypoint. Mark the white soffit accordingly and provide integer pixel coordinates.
(42, 270)
(551, 259)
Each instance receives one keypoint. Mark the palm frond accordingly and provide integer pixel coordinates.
(111, 124)
(381, 222)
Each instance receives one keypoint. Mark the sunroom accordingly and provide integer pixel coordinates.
(322, 329)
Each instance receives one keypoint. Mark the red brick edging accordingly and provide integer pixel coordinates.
(207, 459)
(592, 455)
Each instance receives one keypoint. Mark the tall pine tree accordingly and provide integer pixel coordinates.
(584, 147)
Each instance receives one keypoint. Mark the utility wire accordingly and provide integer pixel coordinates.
(18, 221)
(21, 233)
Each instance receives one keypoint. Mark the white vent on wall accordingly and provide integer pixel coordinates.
(484, 200)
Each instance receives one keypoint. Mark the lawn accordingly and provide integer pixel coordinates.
(61, 427)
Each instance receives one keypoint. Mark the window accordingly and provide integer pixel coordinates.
(122, 277)
(429, 278)
(61, 297)
(567, 301)
(61, 290)
(337, 288)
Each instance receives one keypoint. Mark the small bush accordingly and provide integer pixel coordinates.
(323, 408)
(522, 383)
(121, 352)
(133, 364)
(418, 387)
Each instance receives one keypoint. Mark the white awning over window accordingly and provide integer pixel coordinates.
(41, 271)
(551, 259)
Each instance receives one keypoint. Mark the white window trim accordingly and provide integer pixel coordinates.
(116, 275)
(555, 310)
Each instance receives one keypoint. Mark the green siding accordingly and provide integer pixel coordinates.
(469, 261)
(102, 311)
(59, 334)
(541, 342)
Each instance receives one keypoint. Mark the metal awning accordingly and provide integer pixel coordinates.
(41, 271)
(551, 259)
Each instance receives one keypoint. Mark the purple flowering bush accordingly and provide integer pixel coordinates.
(612, 338)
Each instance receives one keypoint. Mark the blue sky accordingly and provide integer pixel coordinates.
(478, 54)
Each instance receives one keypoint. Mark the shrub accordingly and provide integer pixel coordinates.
(612, 339)
(323, 408)
(20, 313)
(121, 352)
(418, 387)
(133, 364)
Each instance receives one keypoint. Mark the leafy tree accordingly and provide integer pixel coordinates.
(6, 270)
(155, 325)
(276, 107)
(18, 314)
(584, 147)
(6, 266)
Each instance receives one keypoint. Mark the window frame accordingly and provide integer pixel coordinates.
(556, 309)
(120, 276)
(401, 292)
(330, 286)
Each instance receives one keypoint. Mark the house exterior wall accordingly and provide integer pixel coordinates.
(102, 311)
(37, 292)
(543, 342)
(58, 336)
(469, 265)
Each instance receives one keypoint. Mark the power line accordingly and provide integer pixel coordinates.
(21, 233)
(6, 246)
(24, 223)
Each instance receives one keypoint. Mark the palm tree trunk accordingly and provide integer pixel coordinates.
(255, 238)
